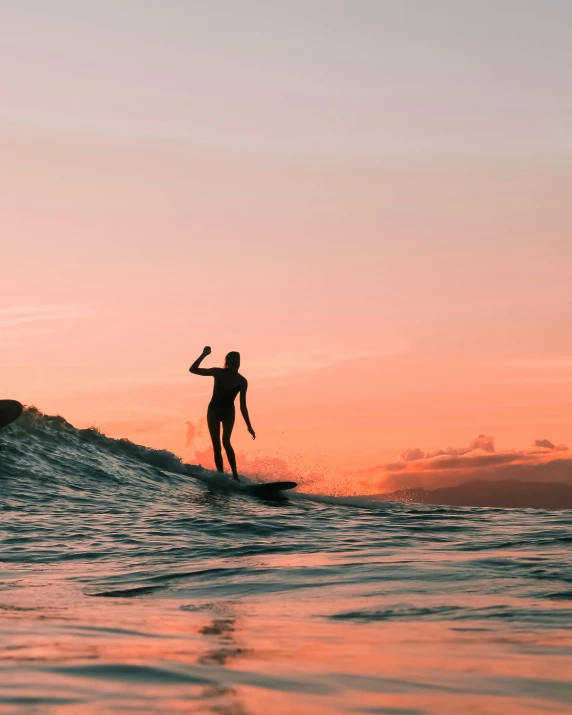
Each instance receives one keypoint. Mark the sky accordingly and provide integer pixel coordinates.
(369, 200)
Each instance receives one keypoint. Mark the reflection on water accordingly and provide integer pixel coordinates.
(222, 699)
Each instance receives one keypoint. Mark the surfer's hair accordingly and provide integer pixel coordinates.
(232, 360)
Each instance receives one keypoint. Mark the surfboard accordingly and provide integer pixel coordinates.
(220, 482)
(270, 490)
(10, 410)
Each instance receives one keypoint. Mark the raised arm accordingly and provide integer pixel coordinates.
(244, 409)
(196, 370)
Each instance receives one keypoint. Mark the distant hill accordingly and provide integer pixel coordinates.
(503, 495)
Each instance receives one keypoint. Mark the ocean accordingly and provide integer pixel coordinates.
(133, 583)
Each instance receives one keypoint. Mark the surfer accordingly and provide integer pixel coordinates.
(10, 410)
(228, 383)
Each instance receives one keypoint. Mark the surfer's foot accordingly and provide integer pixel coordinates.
(235, 477)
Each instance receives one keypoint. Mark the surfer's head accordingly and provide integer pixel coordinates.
(232, 360)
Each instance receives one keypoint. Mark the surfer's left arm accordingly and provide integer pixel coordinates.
(244, 409)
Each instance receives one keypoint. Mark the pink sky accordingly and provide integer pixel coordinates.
(373, 208)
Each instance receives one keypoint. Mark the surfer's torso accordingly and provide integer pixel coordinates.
(227, 385)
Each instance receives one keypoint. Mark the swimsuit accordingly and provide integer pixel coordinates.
(222, 401)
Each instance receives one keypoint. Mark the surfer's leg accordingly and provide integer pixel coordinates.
(227, 425)
(214, 430)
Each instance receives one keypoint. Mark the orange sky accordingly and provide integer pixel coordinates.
(375, 210)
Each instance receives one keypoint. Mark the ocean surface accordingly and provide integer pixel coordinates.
(129, 585)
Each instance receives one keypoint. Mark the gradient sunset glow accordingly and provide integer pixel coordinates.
(370, 201)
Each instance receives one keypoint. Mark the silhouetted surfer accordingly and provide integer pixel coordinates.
(228, 383)
(10, 410)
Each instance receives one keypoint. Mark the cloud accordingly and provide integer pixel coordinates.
(482, 442)
(25, 314)
(190, 433)
(131, 381)
(415, 468)
(194, 431)
(546, 443)
(542, 363)
(283, 364)
(412, 455)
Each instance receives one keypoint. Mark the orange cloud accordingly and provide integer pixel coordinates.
(194, 431)
(481, 442)
(190, 433)
(542, 462)
(546, 444)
